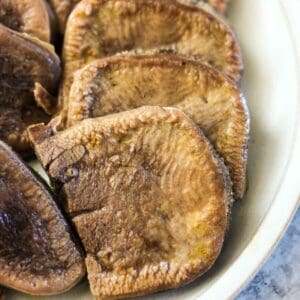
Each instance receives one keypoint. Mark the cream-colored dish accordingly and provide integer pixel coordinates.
(272, 86)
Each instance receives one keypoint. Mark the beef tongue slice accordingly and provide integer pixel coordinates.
(38, 254)
(147, 195)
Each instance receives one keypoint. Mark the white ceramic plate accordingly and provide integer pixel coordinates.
(271, 85)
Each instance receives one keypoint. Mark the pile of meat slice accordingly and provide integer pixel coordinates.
(134, 110)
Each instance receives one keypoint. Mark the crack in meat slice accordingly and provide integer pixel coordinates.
(24, 62)
(101, 28)
(27, 16)
(62, 9)
(148, 196)
(37, 253)
(214, 102)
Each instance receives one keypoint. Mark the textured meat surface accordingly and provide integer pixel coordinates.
(29, 16)
(125, 82)
(23, 62)
(148, 197)
(37, 253)
(101, 28)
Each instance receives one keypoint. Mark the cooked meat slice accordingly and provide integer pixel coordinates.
(213, 101)
(28, 16)
(37, 253)
(148, 197)
(98, 28)
(14, 122)
(62, 9)
(24, 62)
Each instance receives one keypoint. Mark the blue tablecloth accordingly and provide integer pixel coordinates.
(279, 278)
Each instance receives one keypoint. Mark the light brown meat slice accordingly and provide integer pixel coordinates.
(24, 61)
(27, 16)
(99, 28)
(213, 101)
(37, 253)
(149, 198)
(62, 9)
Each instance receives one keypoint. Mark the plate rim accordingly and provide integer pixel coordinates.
(293, 202)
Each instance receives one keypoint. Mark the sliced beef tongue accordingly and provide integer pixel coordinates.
(148, 196)
(24, 61)
(145, 24)
(127, 81)
(27, 16)
(38, 254)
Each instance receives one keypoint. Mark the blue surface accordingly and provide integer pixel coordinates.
(279, 278)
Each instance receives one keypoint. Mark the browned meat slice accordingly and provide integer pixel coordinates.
(148, 197)
(98, 28)
(62, 9)
(37, 253)
(23, 63)
(213, 101)
(29, 16)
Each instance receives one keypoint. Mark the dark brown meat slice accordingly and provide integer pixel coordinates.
(148, 197)
(24, 62)
(28, 16)
(99, 28)
(213, 101)
(37, 253)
